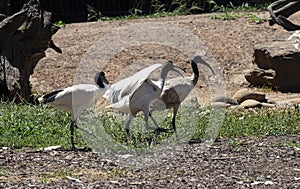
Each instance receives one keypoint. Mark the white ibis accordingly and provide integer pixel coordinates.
(177, 89)
(134, 94)
(77, 98)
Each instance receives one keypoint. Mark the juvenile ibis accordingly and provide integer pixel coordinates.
(177, 89)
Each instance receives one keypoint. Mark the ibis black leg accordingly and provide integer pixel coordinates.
(174, 126)
(175, 110)
(127, 132)
(72, 126)
(158, 129)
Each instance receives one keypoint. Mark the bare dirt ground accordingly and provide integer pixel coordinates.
(230, 42)
(264, 162)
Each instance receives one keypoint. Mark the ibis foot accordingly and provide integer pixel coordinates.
(85, 149)
(159, 130)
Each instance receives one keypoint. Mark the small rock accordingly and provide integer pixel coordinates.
(73, 179)
(250, 103)
(114, 182)
(245, 94)
(261, 77)
(268, 105)
(240, 182)
(220, 105)
(126, 156)
(269, 182)
(136, 183)
(194, 180)
(256, 183)
(49, 148)
(224, 99)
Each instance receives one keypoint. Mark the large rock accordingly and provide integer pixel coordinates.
(283, 56)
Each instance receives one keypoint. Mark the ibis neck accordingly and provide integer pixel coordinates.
(195, 79)
(163, 74)
(100, 84)
(195, 72)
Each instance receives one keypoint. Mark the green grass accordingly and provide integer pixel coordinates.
(60, 24)
(260, 122)
(138, 14)
(226, 16)
(23, 125)
(231, 12)
(234, 15)
(245, 7)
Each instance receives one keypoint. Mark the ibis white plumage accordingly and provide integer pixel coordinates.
(177, 89)
(134, 94)
(77, 98)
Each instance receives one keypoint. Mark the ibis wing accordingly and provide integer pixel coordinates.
(128, 85)
(122, 105)
(78, 96)
(141, 98)
(50, 96)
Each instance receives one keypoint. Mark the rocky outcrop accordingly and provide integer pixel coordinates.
(278, 63)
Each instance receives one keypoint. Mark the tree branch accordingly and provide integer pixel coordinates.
(279, 12)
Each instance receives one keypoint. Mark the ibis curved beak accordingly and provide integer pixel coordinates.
(199, 60)
(175, 70)
(105, 80)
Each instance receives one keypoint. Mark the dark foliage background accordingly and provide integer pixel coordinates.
(76, 10)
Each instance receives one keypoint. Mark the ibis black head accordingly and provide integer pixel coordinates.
(199, 60)
(169, 66)
(100, 79)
